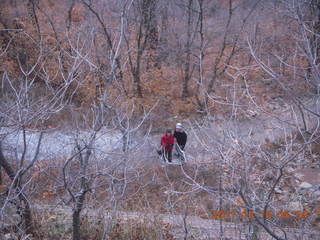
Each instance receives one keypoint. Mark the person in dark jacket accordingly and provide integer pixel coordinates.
(181, 138)
(167, 142)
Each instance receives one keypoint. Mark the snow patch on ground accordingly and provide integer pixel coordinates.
(57, 144)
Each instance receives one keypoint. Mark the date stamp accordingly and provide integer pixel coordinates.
(249, 215)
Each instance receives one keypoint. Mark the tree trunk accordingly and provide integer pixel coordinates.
(76, 217)
(31, 6)
(23, 201)
(79, 199)
(76, 225)
(187, 66)
(27, 215)
(1, 175)
(5, 165)
(137, 86)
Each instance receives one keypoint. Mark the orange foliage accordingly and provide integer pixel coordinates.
(78, 13)
(159, 85)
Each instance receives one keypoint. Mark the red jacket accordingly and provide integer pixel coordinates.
(167, 142)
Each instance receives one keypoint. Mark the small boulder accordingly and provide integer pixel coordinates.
(278, 190)
(305, 185)
(290, 169)
(295, 206)
(316, 194)
(299, 176)
(9, 236)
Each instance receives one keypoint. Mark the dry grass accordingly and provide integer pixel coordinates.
(149, 188)
(56, 225)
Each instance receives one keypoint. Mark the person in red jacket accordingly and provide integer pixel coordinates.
(167, 142)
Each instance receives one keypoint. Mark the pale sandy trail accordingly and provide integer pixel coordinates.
(59, 143)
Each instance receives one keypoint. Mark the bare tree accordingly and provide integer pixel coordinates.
(187, 69)
(226, 45)
(114, 43)
(78, 186)
(144, 30)
(25, 107)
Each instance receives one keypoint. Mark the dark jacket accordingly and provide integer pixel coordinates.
(181, 138)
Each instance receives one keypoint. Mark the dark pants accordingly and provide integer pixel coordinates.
(179, 149)
(168, 155)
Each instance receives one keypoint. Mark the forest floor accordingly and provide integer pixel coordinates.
(261, 128)
(181, 226)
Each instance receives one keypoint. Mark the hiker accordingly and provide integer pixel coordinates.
(181, 138)
(167, 142)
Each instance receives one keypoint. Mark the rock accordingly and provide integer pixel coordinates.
(290, 169)
(252, 113)
(9, 236)
(295, 206)
(278, 190)
(299, 175)
(269, 176)
(316, 194)
(305, 185)
(272, 106)
(28, 237)
(284, 197)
